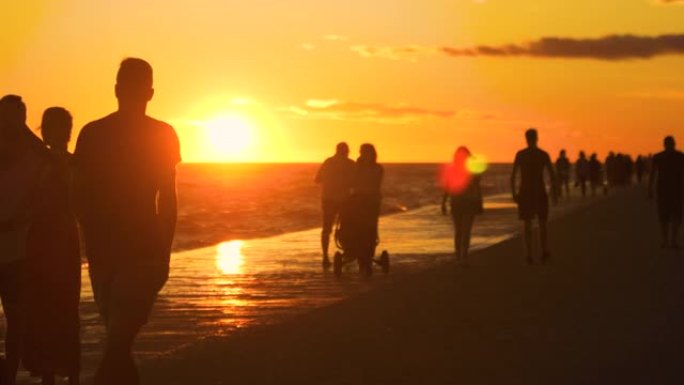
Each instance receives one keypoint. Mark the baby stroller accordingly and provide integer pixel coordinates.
(356, 236)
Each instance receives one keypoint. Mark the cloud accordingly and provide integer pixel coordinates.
(331, 109)
(335, 37)
(670, 1)
(410, 53)
(612, 48)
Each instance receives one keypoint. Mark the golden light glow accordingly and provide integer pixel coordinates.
(229, 258)
(477, 164)
(230, 136)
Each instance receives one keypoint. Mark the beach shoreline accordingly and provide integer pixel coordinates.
(445, 323)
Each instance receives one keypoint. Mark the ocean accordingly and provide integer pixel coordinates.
(220, 202)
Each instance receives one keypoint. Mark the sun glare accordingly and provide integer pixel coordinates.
(230, 136)
(229, 258)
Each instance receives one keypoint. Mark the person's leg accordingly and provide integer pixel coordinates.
(528, 240)
(12, 276)
(458, 231)
(329, 215)
(467, 230)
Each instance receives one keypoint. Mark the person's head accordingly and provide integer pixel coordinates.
(12, 116)
(594, 156)
(56, 127)
(669, 143)
(562, 153)
(368, 154)
(12, 110)
(342, 149)
(461, 155)
(532, 137)
(582, 155)
(134, 84)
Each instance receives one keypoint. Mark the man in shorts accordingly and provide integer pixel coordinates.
(124, 185)
(532, 199)
(23, 159)
(336, 176)
(668, 170)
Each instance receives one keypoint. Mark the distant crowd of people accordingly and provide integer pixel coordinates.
(463, 196)
(119, 185)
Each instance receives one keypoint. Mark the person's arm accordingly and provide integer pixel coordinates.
(167, 206)
(514, 175)
(167, 199)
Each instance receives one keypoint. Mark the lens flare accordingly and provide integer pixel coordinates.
(477, 164)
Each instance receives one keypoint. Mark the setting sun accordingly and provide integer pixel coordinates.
(230, 136)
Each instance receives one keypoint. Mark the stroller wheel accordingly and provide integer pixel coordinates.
(385, 261)
(337, 264)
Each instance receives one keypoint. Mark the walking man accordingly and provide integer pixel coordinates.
(532, 199)
(336, 177)
(124, 182)
(668, 171)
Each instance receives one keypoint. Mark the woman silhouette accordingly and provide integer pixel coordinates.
(53, 277)
(366, 199)
(462, 188)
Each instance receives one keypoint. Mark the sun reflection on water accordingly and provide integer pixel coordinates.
(229, 258)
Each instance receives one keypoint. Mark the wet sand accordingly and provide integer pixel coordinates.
(607, 309)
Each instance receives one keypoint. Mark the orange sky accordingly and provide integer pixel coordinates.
(285, 80)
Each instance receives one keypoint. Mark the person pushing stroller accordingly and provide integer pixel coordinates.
(357, 232)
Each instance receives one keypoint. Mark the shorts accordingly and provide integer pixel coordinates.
(670, 209)
(11, 282)
(331, 210)
(531, 206)
(127, 291)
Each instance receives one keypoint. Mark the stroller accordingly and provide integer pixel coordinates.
(356, 236)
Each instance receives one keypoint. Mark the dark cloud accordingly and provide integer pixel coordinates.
(614, 47)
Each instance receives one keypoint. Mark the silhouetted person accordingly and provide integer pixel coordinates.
(366, 198)
(667, 174)
(53, 265)
(640, 166)
(23, 159)
(462, 189)
(124, 175)
(595, 172)
(532, 199)
(336, 176)
(563, 173)
(582, 172)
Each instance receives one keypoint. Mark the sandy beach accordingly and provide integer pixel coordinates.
(607, 309)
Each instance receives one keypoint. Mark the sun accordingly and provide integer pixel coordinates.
(229, 136)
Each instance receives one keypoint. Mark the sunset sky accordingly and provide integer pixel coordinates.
(284, 80)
